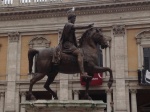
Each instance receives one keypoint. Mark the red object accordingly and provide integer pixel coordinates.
(96, 80)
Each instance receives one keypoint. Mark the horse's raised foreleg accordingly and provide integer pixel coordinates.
(98, 69)
(36, 78)
(50, 79)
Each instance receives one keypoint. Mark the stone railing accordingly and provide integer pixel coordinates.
(6, 3)
(9, 3)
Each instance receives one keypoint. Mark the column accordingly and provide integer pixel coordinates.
(108, 56)
(107, 59)
(114, 98)
(133, 100)
(23, 99)
(119, 58)
(76, 94)
(2, 101)
(108, 92)
(12, 58)
(138, 42)
(128, 100)
(104, 61)
(64, 87)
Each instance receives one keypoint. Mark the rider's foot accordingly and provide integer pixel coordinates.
(84, 75)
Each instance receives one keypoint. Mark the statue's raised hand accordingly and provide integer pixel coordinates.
(91, 25)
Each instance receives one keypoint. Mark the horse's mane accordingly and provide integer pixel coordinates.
(85, 35)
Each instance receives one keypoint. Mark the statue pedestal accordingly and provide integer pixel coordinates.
(64, 106)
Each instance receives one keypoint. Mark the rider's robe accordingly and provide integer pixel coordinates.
(68, 41)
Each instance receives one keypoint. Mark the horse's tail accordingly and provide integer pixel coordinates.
(31, 54)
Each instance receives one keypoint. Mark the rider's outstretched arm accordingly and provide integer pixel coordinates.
(83, 27)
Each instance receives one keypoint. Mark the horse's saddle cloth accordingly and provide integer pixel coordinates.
(58, 55)
(147, 76)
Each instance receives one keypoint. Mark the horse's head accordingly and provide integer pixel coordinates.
(94, 34)
(99, 38)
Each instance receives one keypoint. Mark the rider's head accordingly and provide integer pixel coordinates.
(71, 17)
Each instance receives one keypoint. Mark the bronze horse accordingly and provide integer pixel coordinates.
(68, 63)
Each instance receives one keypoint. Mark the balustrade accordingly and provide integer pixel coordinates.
(8, 3)
(27, 2)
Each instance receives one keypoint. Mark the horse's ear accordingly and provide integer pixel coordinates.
(100, 29)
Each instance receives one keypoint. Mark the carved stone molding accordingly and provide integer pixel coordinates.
(59, 10)
(2, 94)
(143, 35)
(13, 36)
(109, 91)
(22, 93)
(118, 30)
(39, 41)
(133, 91)
(76, 92)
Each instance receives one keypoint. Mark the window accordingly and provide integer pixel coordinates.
(41, 95)
(38, 42)
(146, 55)
(143, 42)
(94, 94)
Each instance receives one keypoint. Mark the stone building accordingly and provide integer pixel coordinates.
(38, 24)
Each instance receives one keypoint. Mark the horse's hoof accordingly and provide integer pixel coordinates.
(89, 98)
(33, 97)
(55, 98)
(109, 84)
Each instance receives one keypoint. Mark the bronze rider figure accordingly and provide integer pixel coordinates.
(68, 41)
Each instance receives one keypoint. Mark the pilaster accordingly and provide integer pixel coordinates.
(12, 71)
(119, 58)
(23, 99)
(17, 97)
(2, 97)
(133, 100)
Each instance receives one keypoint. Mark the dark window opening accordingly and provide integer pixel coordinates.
(100, 57)
(94, 94)
(143, 100)
(146, 60)
(40, 95)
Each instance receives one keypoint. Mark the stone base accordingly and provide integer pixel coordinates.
(64, 106)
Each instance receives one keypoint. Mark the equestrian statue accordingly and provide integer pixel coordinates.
(69, 57)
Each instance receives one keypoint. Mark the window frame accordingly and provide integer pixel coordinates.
(143, 41)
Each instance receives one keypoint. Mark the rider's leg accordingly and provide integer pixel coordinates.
(80, 63)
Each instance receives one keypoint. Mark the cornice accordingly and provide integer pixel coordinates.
(59, 10)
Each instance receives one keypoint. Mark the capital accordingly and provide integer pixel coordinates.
(76, 91)
(13, 36)
(2, 94)
(23, 93)
(108, 91)
(133, 91)
(118, 30)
